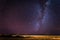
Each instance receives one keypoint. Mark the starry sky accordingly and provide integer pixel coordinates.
(25, 17)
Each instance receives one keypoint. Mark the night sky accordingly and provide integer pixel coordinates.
(29, 17)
